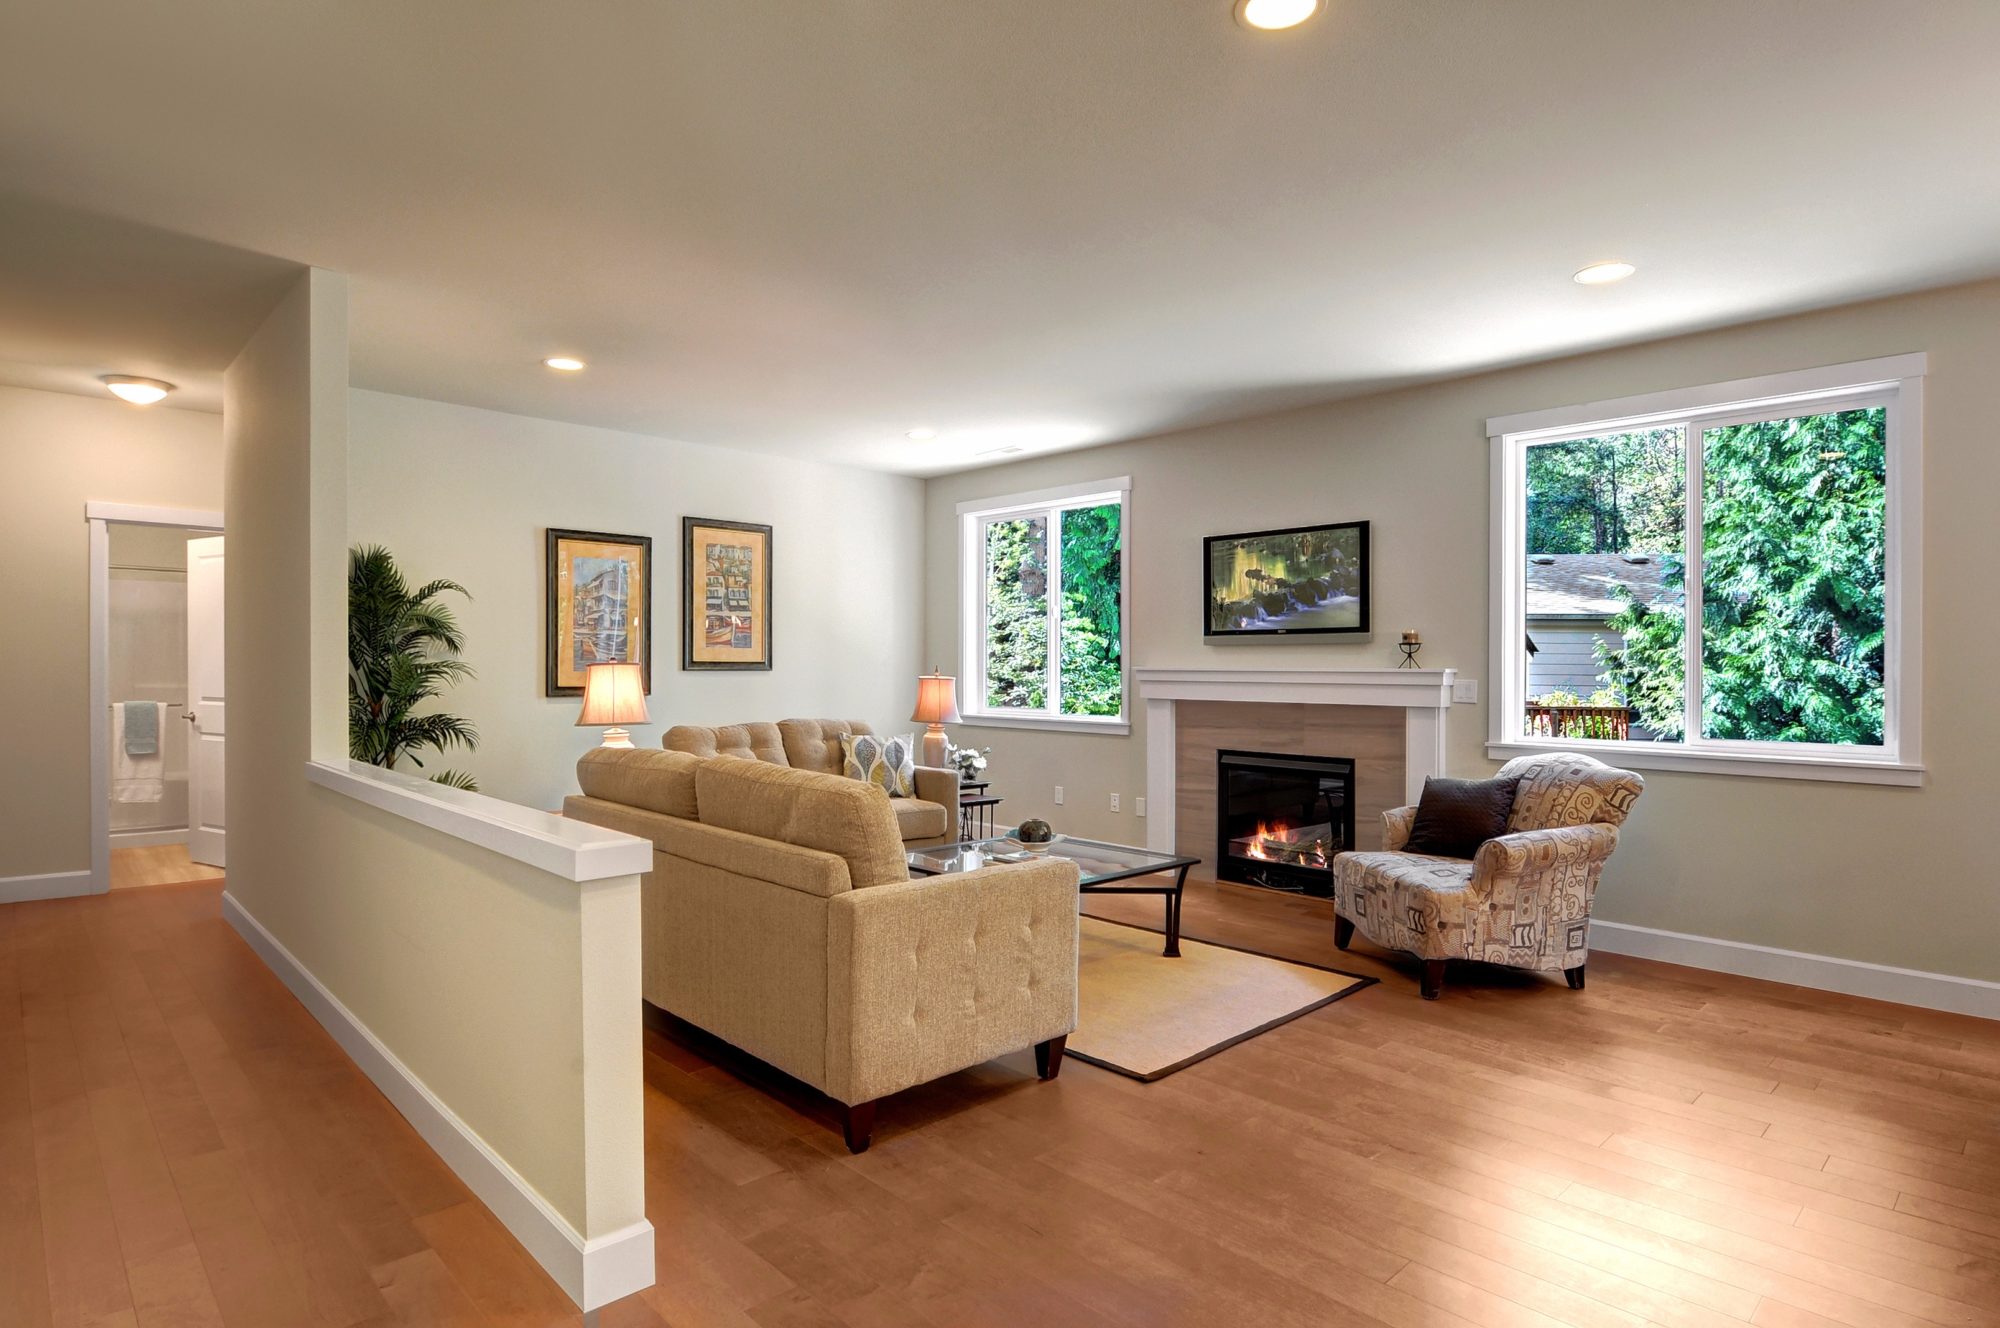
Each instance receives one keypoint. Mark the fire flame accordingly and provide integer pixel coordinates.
(1280, 835)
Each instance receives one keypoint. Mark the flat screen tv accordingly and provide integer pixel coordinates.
(1301, 581)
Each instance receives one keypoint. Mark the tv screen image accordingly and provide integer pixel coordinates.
(1301, 581)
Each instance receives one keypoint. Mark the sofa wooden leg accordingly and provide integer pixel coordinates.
(1048, 1057)
(1343, 932)
(1433, 981)
(1575, 977)
(859, 1126)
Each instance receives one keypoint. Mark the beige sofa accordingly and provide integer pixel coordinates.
(928, 819)
(780, 916)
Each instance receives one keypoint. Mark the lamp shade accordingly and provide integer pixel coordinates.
(613, 694)
(937, 699)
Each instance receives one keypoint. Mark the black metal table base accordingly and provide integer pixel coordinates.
(1136, 886)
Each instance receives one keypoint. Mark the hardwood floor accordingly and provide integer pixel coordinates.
(181, 1144)
(157, 864)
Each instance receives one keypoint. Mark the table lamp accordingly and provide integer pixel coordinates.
(614, 695)
(937, 705)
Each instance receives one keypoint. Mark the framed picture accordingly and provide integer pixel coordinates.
(725, 594)
(1300, 581)
(600, 591)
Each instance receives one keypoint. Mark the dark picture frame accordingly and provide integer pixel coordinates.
(603, 577)
(1299, 581)
(725, 594)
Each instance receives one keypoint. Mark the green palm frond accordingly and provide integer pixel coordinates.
(402, 653)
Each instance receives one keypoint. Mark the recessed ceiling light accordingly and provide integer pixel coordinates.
(1603, 274)
(138, 391)
(566, 363)
(922, 435)
(1274, 15)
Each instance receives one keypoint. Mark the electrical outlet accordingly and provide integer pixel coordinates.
(1114, 802)
(1059, 801)
(1466, 692)
(1138, 806)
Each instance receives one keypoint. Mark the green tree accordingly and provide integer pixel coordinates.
(1093, 671)
(1017, 614)
(402, 651)
(1793, 530)
(1611, 494)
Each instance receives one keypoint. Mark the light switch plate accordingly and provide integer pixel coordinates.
(1466, 691)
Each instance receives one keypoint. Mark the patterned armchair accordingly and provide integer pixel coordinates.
(1524, 900)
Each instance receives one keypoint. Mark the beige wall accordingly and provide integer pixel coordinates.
(467, 494)
(512, 995)
(1884, 875)
(57, 452)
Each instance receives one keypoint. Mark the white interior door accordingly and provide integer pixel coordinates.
(205, 712)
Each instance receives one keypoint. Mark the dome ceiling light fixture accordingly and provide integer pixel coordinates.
(138, 391)
(1603, 274)
(1274, 15)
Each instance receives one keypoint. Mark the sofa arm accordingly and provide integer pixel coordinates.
(938, 785)
(1543, 861)
(930, 976)
(1396, 823)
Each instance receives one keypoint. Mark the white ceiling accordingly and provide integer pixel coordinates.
(809, 227)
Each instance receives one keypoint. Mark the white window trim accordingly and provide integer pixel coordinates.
(1895, 382)
(973, 514)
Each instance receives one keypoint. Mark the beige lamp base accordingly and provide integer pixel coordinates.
(616, 737)
(936, 746)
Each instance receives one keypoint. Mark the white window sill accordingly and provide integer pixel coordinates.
(1653, 756)
(1055, 723)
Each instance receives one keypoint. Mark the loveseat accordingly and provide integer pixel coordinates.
(780, 916)
(928, 819)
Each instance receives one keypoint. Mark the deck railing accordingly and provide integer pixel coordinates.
(1579, 721)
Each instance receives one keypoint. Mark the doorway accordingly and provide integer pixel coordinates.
(157, 696)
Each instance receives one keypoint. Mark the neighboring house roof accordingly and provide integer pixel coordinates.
(1585, 585)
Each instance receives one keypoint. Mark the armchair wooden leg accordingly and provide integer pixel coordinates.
(1575, 977)
(1433, 981)
(859, 1126)
(1048, 1057)
(1343, 932)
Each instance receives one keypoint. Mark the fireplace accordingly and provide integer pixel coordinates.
(1280, 819)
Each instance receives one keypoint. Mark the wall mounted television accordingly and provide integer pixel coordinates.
(1297, 582)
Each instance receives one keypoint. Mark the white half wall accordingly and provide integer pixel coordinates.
(467, 494)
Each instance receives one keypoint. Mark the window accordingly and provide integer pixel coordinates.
(1723, 578)
(1043, 636)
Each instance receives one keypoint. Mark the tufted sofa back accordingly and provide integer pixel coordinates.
(808, 808)
(660, 782)
(755, 742)
(1569, 788)
(814, 744)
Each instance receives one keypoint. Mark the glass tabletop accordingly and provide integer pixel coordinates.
(1096, 862)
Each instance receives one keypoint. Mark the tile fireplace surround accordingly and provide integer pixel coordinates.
(1422, 696)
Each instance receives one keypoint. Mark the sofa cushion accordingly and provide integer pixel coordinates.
(804, 807)
(888, 763)
(640, 777)
(814, 744)
(1455, 816)
(758, 742)
(917, 819)
(1405, 902)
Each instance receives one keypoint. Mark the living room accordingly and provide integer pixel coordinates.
(1182, 419)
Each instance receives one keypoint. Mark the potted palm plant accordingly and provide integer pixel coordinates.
(402, 651)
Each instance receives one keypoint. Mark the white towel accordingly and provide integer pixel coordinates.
(135, 778)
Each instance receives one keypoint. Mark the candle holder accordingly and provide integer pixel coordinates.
(1409, 645)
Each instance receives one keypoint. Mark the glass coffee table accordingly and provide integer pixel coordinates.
(1103, 869)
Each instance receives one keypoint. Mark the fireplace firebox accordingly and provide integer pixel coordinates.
(1281, 818)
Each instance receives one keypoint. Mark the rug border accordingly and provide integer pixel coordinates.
(1361, 983)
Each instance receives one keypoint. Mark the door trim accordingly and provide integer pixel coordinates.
(99, 516)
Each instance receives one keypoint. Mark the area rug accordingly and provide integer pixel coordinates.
(1146, 1016)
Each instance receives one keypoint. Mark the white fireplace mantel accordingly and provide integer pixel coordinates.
(1424, 694)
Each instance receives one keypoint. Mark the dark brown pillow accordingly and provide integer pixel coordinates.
(1455, 816)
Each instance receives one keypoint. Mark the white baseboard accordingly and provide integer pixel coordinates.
(53, 885)
(593, 1273)
(148, 838)
(1852, 977)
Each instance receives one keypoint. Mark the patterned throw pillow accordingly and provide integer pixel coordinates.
(889, 763)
